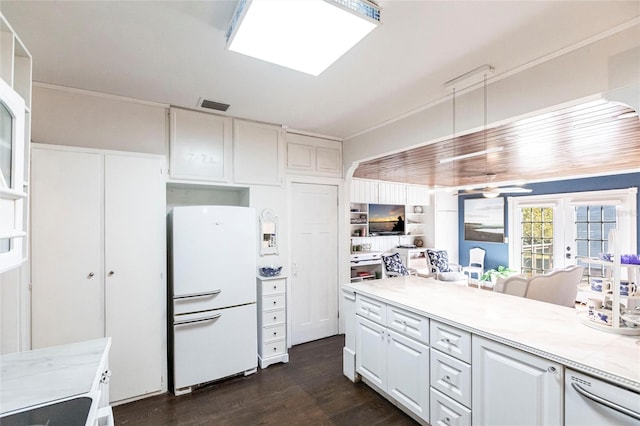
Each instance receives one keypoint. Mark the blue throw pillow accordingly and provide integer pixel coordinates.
(393, 263)
(439, 261)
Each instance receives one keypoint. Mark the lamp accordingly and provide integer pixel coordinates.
(306, 36)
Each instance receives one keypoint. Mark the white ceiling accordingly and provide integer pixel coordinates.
(173, 52)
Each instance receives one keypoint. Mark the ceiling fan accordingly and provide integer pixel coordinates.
(492, 191)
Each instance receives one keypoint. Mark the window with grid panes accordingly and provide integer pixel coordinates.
(593, 224)
(537, 240)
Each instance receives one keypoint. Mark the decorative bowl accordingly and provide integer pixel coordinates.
(270, 271)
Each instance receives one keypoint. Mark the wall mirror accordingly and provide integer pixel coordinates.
(268, 233)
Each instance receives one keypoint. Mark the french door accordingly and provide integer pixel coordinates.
(551, 231)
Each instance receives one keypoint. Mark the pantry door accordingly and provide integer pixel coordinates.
(314, 262)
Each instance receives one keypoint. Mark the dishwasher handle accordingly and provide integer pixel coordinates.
(211, 318)
(605, 402)
(208, 293)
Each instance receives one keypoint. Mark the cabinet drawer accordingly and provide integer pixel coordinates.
(447, 412)
(273, 302)
(451, 341)
(273, 317)
(275, 347)
(408, 323)
(273, 287)
(371, 309)
(274, 332)
(451, 376)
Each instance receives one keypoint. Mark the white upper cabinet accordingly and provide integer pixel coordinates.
(257, 151)
(200, 146)
(15, 133)
(313, 155)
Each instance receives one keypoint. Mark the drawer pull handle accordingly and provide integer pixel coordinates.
(275, 333)
(446, 419)
(551, 369)
(274, 302)
(446, 340)
(275, 349)
(275, 287)
(447, 377)
(275, 318)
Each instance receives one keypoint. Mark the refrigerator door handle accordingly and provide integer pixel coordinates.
(211, 318)
(208, 293)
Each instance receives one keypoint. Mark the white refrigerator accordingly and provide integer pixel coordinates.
(212, 294)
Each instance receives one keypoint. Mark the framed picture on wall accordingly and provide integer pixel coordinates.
(484, 219)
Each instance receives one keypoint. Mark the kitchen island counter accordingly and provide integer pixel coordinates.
(550, 331)
(45, 375)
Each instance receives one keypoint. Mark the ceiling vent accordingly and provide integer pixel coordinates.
(218, 106)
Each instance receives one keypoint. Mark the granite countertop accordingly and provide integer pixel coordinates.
(550, 331)
(44, 375)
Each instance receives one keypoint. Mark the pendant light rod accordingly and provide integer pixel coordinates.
(471, 77)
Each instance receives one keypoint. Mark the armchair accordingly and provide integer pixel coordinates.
(439, 267)
(393, 266)
(559, 287)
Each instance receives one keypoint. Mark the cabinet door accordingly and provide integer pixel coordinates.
(200, 146)
(408, 373)
(256, 153)
(512, 387)
(371, 352)
(66, 263)
(135, 290)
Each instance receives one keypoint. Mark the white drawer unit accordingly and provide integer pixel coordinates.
(451, 341)
(451, 376)
(447, 412)
(371, 309)
(408, 323)
(274, 301)
(272, 320)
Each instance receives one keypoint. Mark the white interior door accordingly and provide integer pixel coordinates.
(135, 290)
(66, 236)
(314, 278)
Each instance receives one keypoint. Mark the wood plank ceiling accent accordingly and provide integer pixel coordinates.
(587, 139)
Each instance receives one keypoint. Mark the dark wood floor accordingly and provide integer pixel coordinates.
(309, 390)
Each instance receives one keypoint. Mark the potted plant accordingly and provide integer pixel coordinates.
(493, 274)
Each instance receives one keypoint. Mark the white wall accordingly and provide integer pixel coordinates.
(93, 120)
(605, 68)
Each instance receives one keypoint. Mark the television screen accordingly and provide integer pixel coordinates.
(386, 219)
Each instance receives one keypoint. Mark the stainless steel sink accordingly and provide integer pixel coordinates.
(71, 412)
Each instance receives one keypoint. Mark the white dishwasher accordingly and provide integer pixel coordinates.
(589, 401)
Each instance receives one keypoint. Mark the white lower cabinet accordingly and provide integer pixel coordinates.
(512, 387)
(446, 412)
(397, 365)
(450, 375)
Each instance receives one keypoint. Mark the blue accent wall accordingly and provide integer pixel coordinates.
(498, 253)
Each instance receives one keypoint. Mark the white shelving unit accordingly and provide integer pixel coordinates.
(359, 220)
(614, 269)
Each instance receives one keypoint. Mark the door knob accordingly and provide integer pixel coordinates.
(91, 274)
